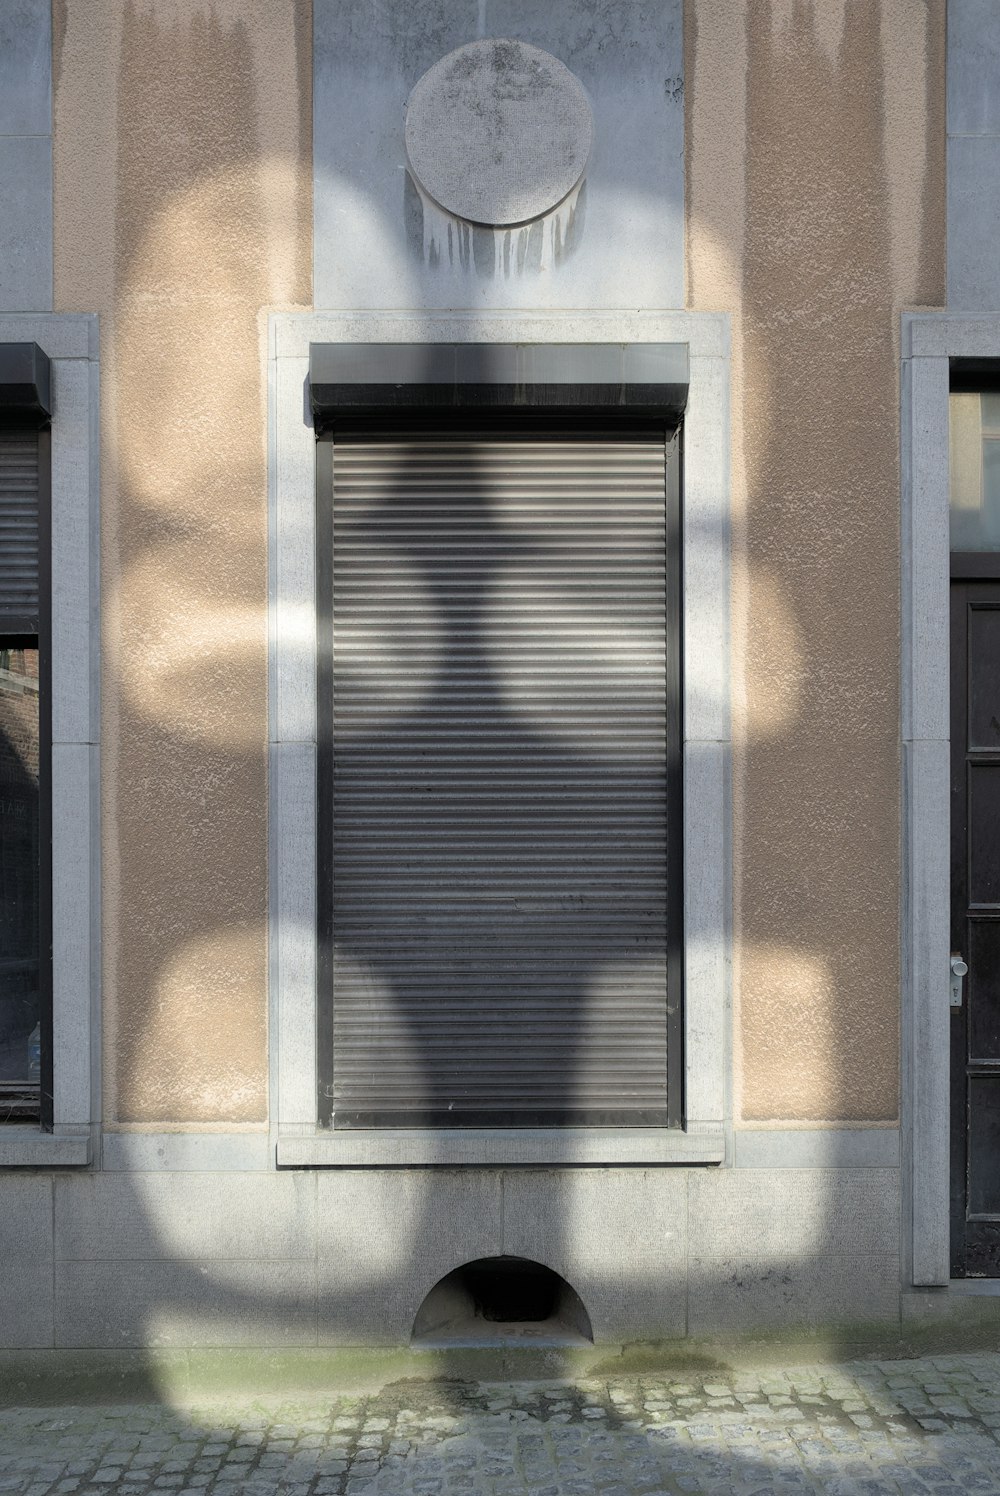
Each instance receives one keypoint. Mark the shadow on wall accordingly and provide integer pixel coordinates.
(499, 820)
(817, 871)
(349, 1256)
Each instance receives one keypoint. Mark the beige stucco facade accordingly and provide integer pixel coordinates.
(815, 212)
(182, 213)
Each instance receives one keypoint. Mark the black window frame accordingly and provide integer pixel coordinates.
(25, 414)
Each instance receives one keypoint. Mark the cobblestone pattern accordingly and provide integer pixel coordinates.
(910, 1426)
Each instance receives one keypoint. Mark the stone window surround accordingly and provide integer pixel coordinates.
(292, 747)
(929, 342)
(71, 342)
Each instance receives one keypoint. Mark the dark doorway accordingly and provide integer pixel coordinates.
(975, 915)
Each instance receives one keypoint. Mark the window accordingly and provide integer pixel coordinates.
(21, 942)
(453, 391)
(499, 833)
(946, 357)
(25, 976)
(48, 737)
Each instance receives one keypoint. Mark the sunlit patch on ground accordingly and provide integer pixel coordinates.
(874, 1428)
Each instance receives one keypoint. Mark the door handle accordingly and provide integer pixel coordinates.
(959, 969)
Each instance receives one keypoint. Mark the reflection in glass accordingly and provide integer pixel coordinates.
(19, 870)
(975, 472)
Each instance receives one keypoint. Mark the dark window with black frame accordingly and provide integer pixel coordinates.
(499, 787)
(25, 827)
(974, 505)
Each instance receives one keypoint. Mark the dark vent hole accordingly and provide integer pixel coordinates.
(499, 1300)
(510, 1290)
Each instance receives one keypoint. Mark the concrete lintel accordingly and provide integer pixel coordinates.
(60, 335)
(705, 333)
(944, 335)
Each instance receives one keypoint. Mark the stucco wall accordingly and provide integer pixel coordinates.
(815, 211)
(182, 208)
(815, 204)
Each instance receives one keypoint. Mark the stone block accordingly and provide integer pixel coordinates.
(25, 67)
(66, 335)
(973, 223)
(371, 246)
(385, 1238)
(193, 1303)
(186, 1152)
(944, 335)
(26, 223)
(74, 555)
(973, 67)
(793, 1214)
(293, 578)
(26, 1255)
(741, 1294)
(190, 1216)
(706, 922)
(925, 549)
(927, 1016)
(618, 1236)
(816, 1148)
(706, 552)
(75, 794)
(293, 911)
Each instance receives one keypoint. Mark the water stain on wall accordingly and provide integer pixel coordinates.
(443, 242)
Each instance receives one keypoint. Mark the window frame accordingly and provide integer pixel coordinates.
(20, 635)
(63, 1137)
(938, 351)
(706, 1134)
(498, 418)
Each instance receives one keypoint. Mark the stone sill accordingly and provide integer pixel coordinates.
(496, 1147)
(26, 1147)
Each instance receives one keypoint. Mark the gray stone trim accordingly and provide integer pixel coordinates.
(184, 1152)
(26, 156)
(71, 342)
(292, 725)
(706, 333)
(467, 1146)
(26, 1147)
(816, 1148)
(928, 342)
(67, 335)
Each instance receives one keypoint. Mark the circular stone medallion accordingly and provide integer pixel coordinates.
(498, 132)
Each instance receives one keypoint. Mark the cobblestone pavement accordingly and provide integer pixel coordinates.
(931, 1425)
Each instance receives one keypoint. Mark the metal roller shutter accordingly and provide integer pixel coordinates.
(19, 528)
(23, 979)
(502, 630)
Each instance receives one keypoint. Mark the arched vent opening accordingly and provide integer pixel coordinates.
(500, 1300)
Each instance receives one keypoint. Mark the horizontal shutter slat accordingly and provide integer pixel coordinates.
(18, 527)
